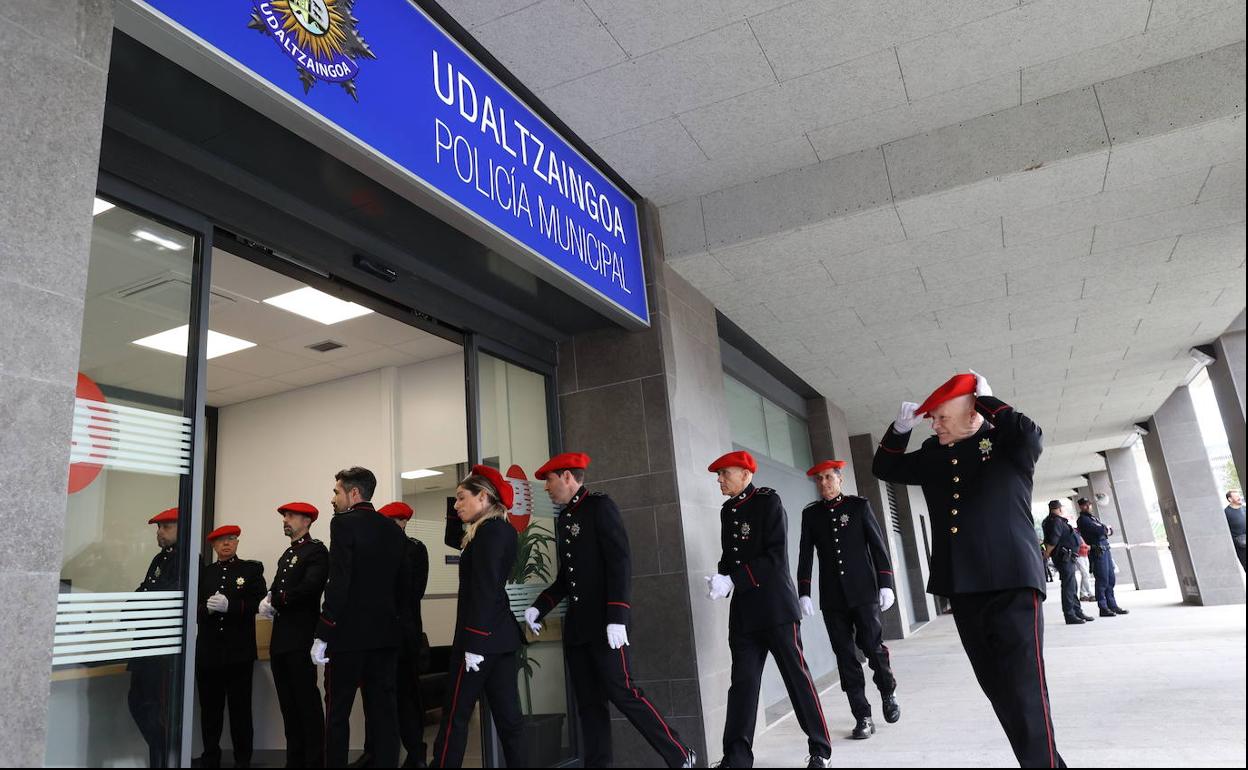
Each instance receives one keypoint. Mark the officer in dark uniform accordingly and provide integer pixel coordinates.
(855, 586)
(976, 475)
(1061, 543)
(230, 592)
(151, 677)
(1096, 534)
(411, 707)
(764, 615)
(595, 575)
(365, 618)
(293, 605)
(483, 657)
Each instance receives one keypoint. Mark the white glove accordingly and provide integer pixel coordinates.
(808, 607)
(718, 586)
(318, 652)
(266, 610)
(886, 599)
(472, 661)
(530, 617)
(981, 384)
(617, 635)
(217, 603)
(906, 418)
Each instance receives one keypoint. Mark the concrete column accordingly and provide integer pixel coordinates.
(51, 117)
(1227, 376)
(829, 440)
(899, 619)
(1107, 509)
(1136, 528)
(649, 407)
(1191, 505)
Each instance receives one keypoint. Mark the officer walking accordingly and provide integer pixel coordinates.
(1096, 533)
(150, 677)
(1061, 543)
(855, 586)
(230, 592)
(763, 617)
(364, 618)
(411, 708)
(293, 605)
(595, 576)
(976, 474)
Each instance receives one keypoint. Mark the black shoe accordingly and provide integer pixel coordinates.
(365, 760)
(691, 760)
(1074, 620)
(819, 762)
(892, 711)
(1119, 611)
(863, 730)
(1107, 613)
(414, 760)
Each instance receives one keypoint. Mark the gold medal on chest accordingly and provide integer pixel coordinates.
(985, 448)
(156, 573)
(844, 519)
(294, 560)
(575, 529)
(240, 581)
(745, 530)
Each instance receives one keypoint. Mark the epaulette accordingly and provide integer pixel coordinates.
(765, 491)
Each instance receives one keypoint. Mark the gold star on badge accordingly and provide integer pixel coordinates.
(240, 581)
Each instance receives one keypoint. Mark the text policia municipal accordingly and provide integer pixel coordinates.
(505, 183)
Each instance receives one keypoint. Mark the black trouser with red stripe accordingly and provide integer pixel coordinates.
(1003, 635)
(496, 680)
(862, 623)
(749, 655)
(373, 672)
(601, 674)
(298, 697)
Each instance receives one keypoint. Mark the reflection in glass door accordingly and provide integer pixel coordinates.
(514, 432)
(116, 693)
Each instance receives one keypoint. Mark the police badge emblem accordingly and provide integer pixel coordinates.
(745, 530)
(320, 36)
(844, 519)
(240, 581)
(985, 448)
(575, 529)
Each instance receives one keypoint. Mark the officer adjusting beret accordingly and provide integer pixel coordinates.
(958, 385)
(506, 495)
(307, 509)
(826, 465)
(170, 515)
(563, 462)
(396, 510)
(734, 460)
(226, 531)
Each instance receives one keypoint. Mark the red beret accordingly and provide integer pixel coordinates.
(165, 517)
(396, 510)
(506, 494)
(307, 509)
(226, 531)
(958, 385)
(734, 460)
(826, 465)
(563, 462)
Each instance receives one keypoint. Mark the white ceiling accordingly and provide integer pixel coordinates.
(280, 360)
(1051, 192)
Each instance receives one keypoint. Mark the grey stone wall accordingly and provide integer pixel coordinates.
(55, 55)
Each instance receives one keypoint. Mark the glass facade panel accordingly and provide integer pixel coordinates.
(745, 415)
(117, 651)
(761, 425)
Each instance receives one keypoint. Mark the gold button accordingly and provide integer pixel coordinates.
(954, 511)
(956, 479)
(956, 496)
(954, 461)
(953, 530)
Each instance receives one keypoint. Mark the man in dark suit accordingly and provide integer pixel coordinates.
(763, 617)
(230, 592)
(293, 604)
(976, 474)
(364, 619)
(855, 586)
(151, 677)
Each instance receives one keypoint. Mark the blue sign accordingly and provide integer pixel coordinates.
(382, 72)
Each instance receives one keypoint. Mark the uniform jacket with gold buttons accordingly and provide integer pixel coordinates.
(754, 537)
(853, 561)
(595, 568)
(230, 636)
(978, 493)
(297, 587)
(484, 623)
